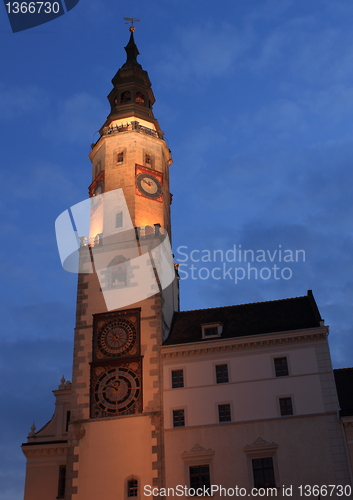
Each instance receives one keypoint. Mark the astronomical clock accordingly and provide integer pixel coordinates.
(116, 365)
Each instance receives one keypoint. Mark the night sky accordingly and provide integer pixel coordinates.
(256, 101)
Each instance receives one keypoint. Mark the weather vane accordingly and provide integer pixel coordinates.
(132, 21)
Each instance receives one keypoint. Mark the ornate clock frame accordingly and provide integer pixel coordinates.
(116, 368)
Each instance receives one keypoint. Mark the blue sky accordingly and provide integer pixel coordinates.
(256, 100)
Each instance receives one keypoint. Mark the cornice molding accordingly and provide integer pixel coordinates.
(35, 452)
(243, 343)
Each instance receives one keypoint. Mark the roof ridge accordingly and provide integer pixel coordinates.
(246, 304)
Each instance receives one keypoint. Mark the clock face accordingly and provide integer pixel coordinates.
(149, 185)
(117, 390)
(116, 338)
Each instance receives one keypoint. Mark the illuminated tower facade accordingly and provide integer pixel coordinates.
(116, 436)
(112, 441)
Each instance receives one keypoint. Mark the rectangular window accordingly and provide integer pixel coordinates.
(119, 220)
(148, 159)
(68, 415)
(210, 331)
(132, 488)
(222, 374)
(281, 367)
(200, 476)
(263, 471)
(286, 406)
(178, 418)
(62, 481)
(224, 413)
(177, 378)
(120, 157)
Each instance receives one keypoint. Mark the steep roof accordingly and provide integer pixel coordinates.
(246, 319)
(344, 385)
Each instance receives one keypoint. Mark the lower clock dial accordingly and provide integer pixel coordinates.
(117, 390)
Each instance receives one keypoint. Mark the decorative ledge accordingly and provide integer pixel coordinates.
(239, 344)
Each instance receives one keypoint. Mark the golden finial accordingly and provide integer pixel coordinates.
(132, 21)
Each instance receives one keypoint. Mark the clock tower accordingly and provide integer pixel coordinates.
(106, 437)
(116, 424)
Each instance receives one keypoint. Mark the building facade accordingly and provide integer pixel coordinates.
(250, 396)
(236, 396)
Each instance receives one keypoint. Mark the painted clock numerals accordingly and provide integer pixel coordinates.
(116, 338)
(149, 186)
(117, 390)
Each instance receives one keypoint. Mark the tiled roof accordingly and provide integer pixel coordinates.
(344, 385)
(246, 319)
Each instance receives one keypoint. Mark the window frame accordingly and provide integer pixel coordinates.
(173, 370)
(229, 405)
(116, 152)
(290, 396)
(174, 410)
(262, 485)
(132, 488)
(121, 219)
(262, 449)
(216, 365)
(113, 274)
(200, 476)
(279, 375)
(126, 486)
(61, 482)
(205, 326)
(67, 420)
(196, 457)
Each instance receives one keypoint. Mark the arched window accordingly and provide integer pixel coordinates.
(117, 273)
(140, 98)
(125, 97)
(132, 488)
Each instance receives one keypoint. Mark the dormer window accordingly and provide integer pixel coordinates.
(211, 330)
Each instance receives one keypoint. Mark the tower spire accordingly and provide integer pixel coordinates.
(132, 96)
(131, 48)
